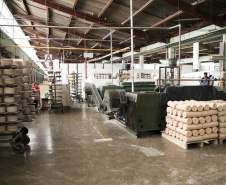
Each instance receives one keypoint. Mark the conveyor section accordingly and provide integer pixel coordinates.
(96, 97)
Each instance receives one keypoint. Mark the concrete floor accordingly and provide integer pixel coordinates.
(66, 149)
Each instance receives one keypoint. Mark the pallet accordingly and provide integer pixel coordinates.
(221, 141)
(184, 145)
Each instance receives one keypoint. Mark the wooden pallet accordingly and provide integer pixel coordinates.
(221, 141)
(184, 145)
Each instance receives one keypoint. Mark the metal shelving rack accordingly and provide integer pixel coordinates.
(55, 93)
(75, 86)
(7, 127)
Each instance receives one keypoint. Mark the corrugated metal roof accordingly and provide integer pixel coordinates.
(117, 13)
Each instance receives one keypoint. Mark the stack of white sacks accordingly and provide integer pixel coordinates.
(196, 120)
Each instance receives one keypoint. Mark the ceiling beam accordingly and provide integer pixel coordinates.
(65, 30)
(99, 15)
(26, 9)
(105, 8)
(194, 11)
(87, 17)
(24, 4)
(147, 4)
(69, 22)
(174, 15)
(126, 20)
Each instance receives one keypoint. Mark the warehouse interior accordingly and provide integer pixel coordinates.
(112, 92)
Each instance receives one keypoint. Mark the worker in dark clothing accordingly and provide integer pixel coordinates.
(205, 79)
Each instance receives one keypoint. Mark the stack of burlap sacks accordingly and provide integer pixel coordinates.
(196, 120)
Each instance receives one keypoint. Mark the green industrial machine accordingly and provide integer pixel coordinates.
(114, 100)
(143, 112)
(138, 86)
(102, 89)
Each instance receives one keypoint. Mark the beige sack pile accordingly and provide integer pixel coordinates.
(196, 120)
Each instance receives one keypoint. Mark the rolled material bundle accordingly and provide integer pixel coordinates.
(184, 107)
(25, 71)
(2, 109)
(27, 110)
(24, 102)
(20, 115)
(195, 133)
(11, 109)
(209, 136)
(19, 106)
(25, 63)
(6, 62)
(18, 89)
(12, 118)
(9, 90)
(27, 94)
(32, 107)
(211, 124)
(214, 118)
(9, 99)
(201, 132)
(26, 79)
(223, 113)
(222, 130)
(192, 127)
(183, 132)
(222, 136)
(17, 63)
(195, 120)
(209, 131)
(184, 120)
(2, 128)
(202, 120)
(18, 80)
(167, 130)
(175, 123)
(175, 112)
(18, 72)
(9, 81)
(180, 113)
(215, 130)
(194, 108)
(2, 119)
(12, 127)
(180, 125)
(192, 114)
(208, 119)
(17, 98)
(8, 72)
(209, 113)
(170, 132)
(222, 125)
(170, 127)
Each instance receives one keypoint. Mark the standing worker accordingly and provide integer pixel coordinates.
(36, 94)
(211, 82)
(205, 79)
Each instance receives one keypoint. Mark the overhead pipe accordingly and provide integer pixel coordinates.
(93, 28)
(132, 57)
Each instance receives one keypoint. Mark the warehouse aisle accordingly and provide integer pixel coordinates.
(82, 147)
